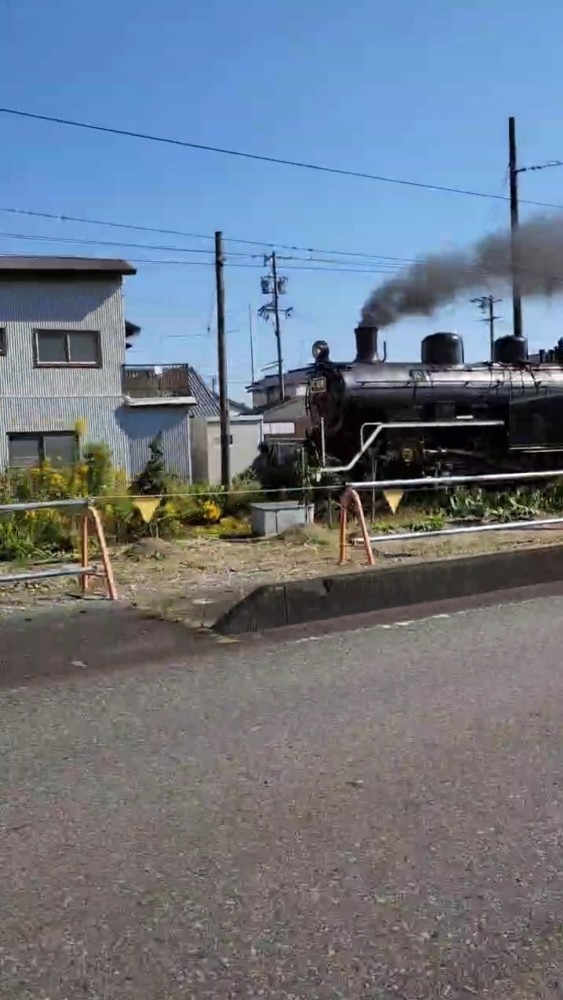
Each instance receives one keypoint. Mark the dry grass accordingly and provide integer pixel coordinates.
(170, 577)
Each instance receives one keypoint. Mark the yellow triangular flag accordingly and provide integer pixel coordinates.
(147, 507)
(393, 498)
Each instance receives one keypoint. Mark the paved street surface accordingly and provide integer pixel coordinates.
(85, 638)
(374, 814)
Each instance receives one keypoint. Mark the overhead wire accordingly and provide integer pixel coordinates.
(310, 264)
(63, 217)
(242, 154)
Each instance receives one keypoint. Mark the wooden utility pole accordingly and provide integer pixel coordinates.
(251, 335)
(222, 364)
(513, 176)
(487, 304)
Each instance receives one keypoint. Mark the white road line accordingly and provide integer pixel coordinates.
(404, 623)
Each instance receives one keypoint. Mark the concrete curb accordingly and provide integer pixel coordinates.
(320, 598)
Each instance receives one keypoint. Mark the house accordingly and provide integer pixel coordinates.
(266, 391)
(245, 434)
(286, 422)
(63, 377)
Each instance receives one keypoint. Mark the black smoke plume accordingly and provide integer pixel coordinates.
(437, 280)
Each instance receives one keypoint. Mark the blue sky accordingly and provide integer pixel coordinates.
(416, 90)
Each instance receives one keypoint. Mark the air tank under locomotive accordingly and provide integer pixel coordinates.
(438, 414)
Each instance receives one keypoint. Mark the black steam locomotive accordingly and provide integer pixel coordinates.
(372, 418)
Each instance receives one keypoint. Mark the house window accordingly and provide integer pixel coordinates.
(2, 342)
(27, 451)
(80, 348)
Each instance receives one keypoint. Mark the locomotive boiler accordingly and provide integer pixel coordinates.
(438, 415)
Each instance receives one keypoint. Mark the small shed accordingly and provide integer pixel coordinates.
(245, 435)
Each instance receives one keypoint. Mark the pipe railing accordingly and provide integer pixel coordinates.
(400, 425)
(352, 489)
(429, 481)
(90, 522)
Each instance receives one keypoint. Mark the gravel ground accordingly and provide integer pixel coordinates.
(194, 580)
(374, 814)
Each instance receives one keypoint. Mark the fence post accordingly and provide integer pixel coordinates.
(342, 538)
(351, 497)
(84, 581)
(106, 561)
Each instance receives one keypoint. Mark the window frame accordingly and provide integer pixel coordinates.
(39, 438)
(67, 335)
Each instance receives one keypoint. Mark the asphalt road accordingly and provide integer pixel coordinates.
(374, 814)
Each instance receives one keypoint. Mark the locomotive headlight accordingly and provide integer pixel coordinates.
(320, 350)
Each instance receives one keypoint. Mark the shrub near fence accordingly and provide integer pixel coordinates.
(182, 508)
(45, 533)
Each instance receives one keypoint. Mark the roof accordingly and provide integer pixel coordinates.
(15, 264)
(207, 404)
(290, 409)
(208, 401)
(241, 408)
(296, 376)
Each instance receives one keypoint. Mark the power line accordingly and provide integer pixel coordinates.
(196, 236)
(113, 243)
(311, 264)
(76, 241)
(319, 168)
(84, 241)
(294, 267)
(206, 263)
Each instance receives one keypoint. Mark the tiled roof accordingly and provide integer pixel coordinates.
(296, 376)
(207, 400)
(207, 404)
(290, 409)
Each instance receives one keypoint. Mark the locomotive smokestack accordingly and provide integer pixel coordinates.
(366, 343)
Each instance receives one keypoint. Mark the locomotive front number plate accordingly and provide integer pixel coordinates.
(318, 384)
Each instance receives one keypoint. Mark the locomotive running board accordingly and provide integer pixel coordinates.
(400, 425)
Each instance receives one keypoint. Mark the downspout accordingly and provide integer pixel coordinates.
(190, 418)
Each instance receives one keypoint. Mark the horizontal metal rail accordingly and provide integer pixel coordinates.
(13, 508)
(401, 425)
(409, 536)
(83, 571)
(72, 569)
(493, 477)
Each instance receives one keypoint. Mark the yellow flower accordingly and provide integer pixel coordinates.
(210, 511)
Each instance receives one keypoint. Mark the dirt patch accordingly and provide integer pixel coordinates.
(195, 578)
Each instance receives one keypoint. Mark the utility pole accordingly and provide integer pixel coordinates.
(275, 285)
(513, 171)
(513, 176)
(250, 333)
(487, 304)
(222, 363)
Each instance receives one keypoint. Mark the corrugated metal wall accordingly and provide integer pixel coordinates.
(88, 304)
(99, 415)
(142, 424)
(56, 399)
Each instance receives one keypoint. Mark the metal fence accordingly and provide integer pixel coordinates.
(351, 499)
(90, 523)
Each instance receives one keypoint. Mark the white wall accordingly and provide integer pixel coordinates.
(246, 435)
(200, 470)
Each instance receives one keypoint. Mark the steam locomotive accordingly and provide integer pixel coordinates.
(372, 418)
